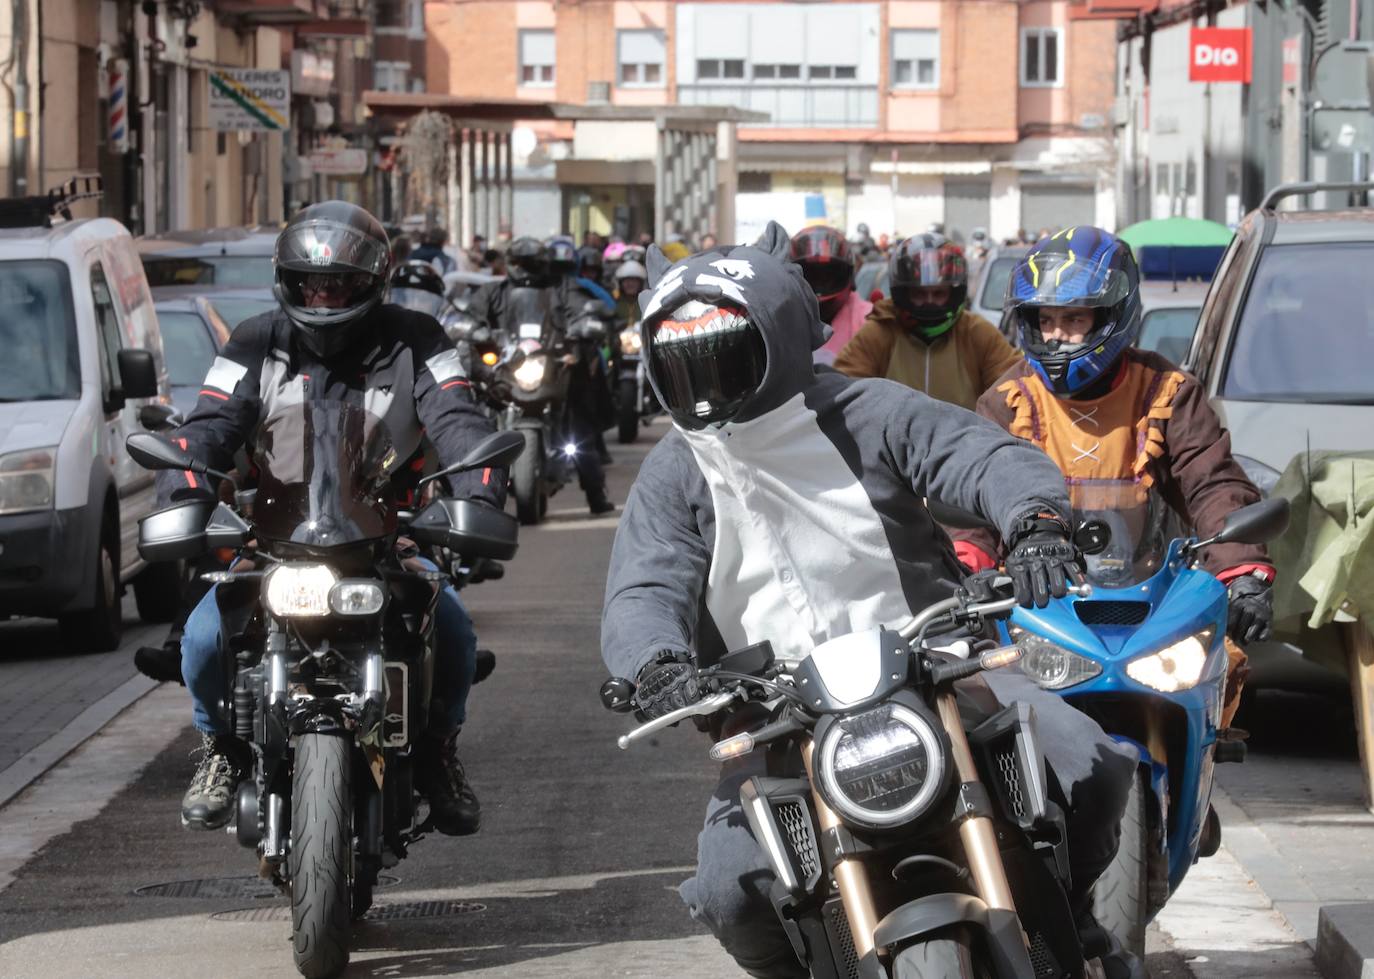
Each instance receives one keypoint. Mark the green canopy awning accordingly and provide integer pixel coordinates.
(1175, 231)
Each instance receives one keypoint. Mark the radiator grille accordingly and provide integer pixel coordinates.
(1044, 963)
(796, 826)
(1112, 613)
(842, 942)
(1010, 772)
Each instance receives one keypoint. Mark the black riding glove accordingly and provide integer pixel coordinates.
(1250, 612)
(667, 684)
(1043, 560)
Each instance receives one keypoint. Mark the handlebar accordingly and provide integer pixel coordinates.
(929, 615)
(701, 708)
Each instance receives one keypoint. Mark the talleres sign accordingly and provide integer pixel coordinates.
(1219, 54)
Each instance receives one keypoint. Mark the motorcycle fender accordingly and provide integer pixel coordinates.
(927, 915)
(319, 717)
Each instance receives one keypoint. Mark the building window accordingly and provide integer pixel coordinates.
(788, 72)
(915, 59)
(641, 55)
(1041, 64)
(415, 19)
(836, 72)
(714, 69)
(390, 76)
(536, 58)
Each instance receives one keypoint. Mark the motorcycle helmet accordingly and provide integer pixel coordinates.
(527, 260)
(706, 360)
(827, 264)
(589, 262)
(1084, 267)
(418, 275)
(631, 272)
(562, 255)
(614, 252)
(330, 265)
(924, 262)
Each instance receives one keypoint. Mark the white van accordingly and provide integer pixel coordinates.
(80, 354)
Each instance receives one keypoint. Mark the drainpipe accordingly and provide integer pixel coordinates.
(42, 90)
(19, 130)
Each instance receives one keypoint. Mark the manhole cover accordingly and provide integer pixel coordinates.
(229, 888)
(399, 911)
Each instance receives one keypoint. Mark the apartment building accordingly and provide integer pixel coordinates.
(897, 113)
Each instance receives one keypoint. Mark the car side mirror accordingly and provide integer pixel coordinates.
(1254, 524)
(137, 374)
(155, 452)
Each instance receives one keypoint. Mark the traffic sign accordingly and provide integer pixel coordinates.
(252, 99)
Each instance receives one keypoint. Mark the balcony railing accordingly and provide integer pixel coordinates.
(798, 105)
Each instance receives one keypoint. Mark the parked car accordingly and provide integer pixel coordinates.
(989, 286)
(82, 355)
(1284, 347)
(1170, 318)
(218, 257)
(193, 333)
(231, 305)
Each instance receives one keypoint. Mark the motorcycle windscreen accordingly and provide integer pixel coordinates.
(420, 301)
(323, 473)
(1141, 522)
(529, 313)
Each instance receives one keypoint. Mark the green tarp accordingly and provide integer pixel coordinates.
(1325, 561)
(1174, 231)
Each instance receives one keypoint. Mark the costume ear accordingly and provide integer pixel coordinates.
(656, 263)
(775, 241)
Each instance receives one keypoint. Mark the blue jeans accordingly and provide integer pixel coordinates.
(455, 662)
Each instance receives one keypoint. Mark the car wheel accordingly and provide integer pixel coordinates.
(99, 627)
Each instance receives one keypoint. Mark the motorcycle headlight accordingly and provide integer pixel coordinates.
(530, 374)
(1050, 665)
(881, 768)
(490, 358)
(299, 590)
(356, 598)
(1176, 667)
(26, 480)
(630, 342)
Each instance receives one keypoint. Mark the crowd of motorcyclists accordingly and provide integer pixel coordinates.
(788, 500)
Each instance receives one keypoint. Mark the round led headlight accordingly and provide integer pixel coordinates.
(530, 374)
(881, 768)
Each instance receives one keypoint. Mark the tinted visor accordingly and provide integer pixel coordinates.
(707, 361)
(327, 290)
(827, 278)
(325, 245)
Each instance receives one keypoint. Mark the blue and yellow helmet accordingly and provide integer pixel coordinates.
(1084, 267)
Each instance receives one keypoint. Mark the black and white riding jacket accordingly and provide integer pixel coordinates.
(408, 374)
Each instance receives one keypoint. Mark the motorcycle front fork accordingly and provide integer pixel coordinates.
(976, 832)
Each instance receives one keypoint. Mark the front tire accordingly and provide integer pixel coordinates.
(1120, 896)
(527, 478)
(628, 412)
(99, 628)
(321, 855)
(946, 955)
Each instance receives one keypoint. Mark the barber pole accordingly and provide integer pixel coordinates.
(118, 118)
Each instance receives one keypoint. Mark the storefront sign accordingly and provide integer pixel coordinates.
(118, 113)
(342, 162)
(1219, 54)
(250, 99)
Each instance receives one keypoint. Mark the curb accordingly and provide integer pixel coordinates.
(1345, 941)
(33, 765)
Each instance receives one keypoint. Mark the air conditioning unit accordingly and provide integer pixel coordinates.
(598, 93)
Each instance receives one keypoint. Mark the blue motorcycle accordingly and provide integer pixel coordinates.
(1144, 656)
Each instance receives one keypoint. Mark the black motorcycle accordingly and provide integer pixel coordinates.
(903, 846)
(635, 399)
(330, 632)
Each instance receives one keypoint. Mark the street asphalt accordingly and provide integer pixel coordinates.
(574, 873)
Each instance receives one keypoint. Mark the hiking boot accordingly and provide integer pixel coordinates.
(440, 776)
(160, 663)
(597, 502)
(209, 802)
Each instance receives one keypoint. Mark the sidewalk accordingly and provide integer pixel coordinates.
(1293, 814)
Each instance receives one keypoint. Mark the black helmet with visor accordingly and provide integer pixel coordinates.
(925, 262)
(527, 260)
(707, 360)
(331, 263)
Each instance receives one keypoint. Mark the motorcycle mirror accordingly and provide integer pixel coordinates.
(497, 450)
(156, 416)
(1092, 536)
(154, 452)
(617, 695)
(1257, 523)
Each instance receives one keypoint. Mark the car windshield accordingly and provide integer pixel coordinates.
(995, 282)
(241, 271)
(1169, 332)
(323, 468)
(235, 311)
(1307, 331)
(38, 333)
(1141, 524)
(187, 345)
